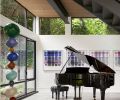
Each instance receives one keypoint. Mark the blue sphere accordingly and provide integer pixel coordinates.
(11, 42)
(12, 56)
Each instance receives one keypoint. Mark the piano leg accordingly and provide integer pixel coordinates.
(75, 92)
(63, 94)
(66, 94)
(79, 92)
(75, 97)
(103, 94)
(94, 93)
(56, 95)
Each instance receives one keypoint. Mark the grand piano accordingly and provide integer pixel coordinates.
(80, 76)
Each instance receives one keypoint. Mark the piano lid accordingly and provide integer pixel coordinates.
(71, 49)
(98, 65)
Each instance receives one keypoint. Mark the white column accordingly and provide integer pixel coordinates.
(37, 29)
(34, 25)
(68, 27)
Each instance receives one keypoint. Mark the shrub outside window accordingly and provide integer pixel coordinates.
(91, 26)
(52, 26)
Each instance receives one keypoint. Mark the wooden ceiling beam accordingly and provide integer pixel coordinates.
(60, 9)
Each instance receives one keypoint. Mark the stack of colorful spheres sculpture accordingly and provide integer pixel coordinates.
(12, 31)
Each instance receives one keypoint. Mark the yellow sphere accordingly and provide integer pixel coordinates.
(10, 92)
(11, 49)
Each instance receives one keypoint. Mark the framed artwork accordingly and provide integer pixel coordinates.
(74, 61)
(116, 57)
(101, 55)
(52, 59)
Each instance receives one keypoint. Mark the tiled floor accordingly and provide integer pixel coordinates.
(46, 95)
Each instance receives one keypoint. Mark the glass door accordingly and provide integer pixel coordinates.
(30, 69)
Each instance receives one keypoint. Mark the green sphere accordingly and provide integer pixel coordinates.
(11, 75)
(12, 30)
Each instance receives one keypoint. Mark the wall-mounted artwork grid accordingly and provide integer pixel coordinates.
(101, 55)
(116, 55)
(74, 60)
(52, 59)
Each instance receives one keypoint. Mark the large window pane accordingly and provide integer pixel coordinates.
(30, 59)
(52, 26)
(3, 57)
(20, 91)
(30, 20)
(14, 11)
(21, 62)
(30, 86)
(90, 26)
(2, 93)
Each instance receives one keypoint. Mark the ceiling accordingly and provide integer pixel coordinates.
(42, 8)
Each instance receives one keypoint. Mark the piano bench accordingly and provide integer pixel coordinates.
(58, 89)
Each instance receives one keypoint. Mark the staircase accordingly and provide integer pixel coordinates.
(107, 10)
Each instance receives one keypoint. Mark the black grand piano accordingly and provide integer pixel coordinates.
(80, 76)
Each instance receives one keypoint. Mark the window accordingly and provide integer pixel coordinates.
(14, 11)
(90, 26)
(30, 20)
(52, 26)
(25, 63)
(30, 59)
(3, 54)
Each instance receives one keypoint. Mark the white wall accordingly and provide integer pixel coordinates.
(105, 42)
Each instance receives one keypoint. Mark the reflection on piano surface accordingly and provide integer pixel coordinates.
(80, 76)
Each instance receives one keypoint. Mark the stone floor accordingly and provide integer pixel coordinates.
(46, 95)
